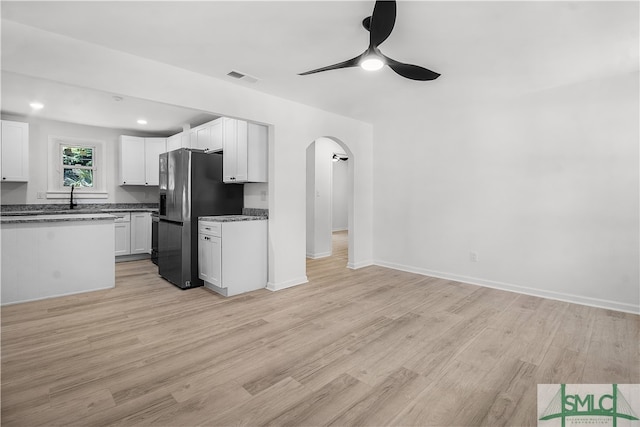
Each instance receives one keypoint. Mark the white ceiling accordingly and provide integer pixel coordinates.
(75, 104)
(482, 49)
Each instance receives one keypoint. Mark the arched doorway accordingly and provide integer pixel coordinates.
(329, 199)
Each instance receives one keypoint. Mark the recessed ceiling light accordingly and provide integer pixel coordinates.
(142, 122)
(36, 105)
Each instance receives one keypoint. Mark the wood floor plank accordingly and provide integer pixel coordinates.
(322, 405)
(371, 346)
(384, 401)
(266, 405)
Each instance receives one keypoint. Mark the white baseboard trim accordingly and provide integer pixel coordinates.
(320, 255)
(339, 229)
(64, 294)
(288, 284)
(360, 264)
(559, 296)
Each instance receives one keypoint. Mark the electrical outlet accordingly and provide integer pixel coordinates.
(263, 195)
(41, 195)
(473, 256)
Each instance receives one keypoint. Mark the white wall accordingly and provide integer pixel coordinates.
(39, 132)
(340, 195)
(320, 196)
(294, 126)
(544, 188)
(311, 203)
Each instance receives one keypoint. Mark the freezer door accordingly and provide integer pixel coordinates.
(174, 252)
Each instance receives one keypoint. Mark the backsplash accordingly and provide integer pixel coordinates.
(255, 212)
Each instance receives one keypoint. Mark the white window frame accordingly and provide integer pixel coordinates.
(55, 182)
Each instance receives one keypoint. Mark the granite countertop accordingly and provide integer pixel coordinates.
(61, 212)
(232, 218)
(18, 219)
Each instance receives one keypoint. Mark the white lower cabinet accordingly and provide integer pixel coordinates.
(232, 255)
(140, 233)
(210, 259)
(123, 233)
(132, 233)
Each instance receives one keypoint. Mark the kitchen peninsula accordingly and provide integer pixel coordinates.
(50, 250)
(45, 256)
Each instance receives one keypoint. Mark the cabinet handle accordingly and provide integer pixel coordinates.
(4, 177)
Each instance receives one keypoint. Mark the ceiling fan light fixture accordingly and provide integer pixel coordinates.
(371, 63)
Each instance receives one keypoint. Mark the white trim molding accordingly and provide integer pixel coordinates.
(559, 296)
(288, 284)
(320, 255)
(55, 189)
(361, 264)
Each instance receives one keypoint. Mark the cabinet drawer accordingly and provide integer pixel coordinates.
(210, 228)
(122, 216)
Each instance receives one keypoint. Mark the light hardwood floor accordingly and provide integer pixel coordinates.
(367, 347)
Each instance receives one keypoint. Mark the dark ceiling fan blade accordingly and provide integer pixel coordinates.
(353, 62)
(413, 72)
(382, 21)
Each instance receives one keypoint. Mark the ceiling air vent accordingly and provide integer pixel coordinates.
(236, 75)
(242, 76)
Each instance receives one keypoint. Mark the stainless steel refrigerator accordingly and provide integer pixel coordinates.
(190, 186)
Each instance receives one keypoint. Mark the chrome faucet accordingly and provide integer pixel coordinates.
(71, 204)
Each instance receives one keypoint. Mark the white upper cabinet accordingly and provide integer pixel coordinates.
(132, 160)
(176, 141)
(245, 151)
(14, 151)
(217, 134)
(139, 160)
(153, 147)
(207, 136)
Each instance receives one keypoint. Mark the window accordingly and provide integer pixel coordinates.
(79, 163)
(78, 166)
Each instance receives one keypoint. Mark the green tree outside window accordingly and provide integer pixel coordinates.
(78, 164)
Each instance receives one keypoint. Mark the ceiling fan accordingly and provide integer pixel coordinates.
(380, 24)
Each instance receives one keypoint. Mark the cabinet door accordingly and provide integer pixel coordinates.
(132, 160)
(217, 135)
(204, 257)
(14, 143)
(230, 150)
(242, 172)
(141, 233)
(174, 142)
(123, 242)
(153, 147)
(202, 138)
